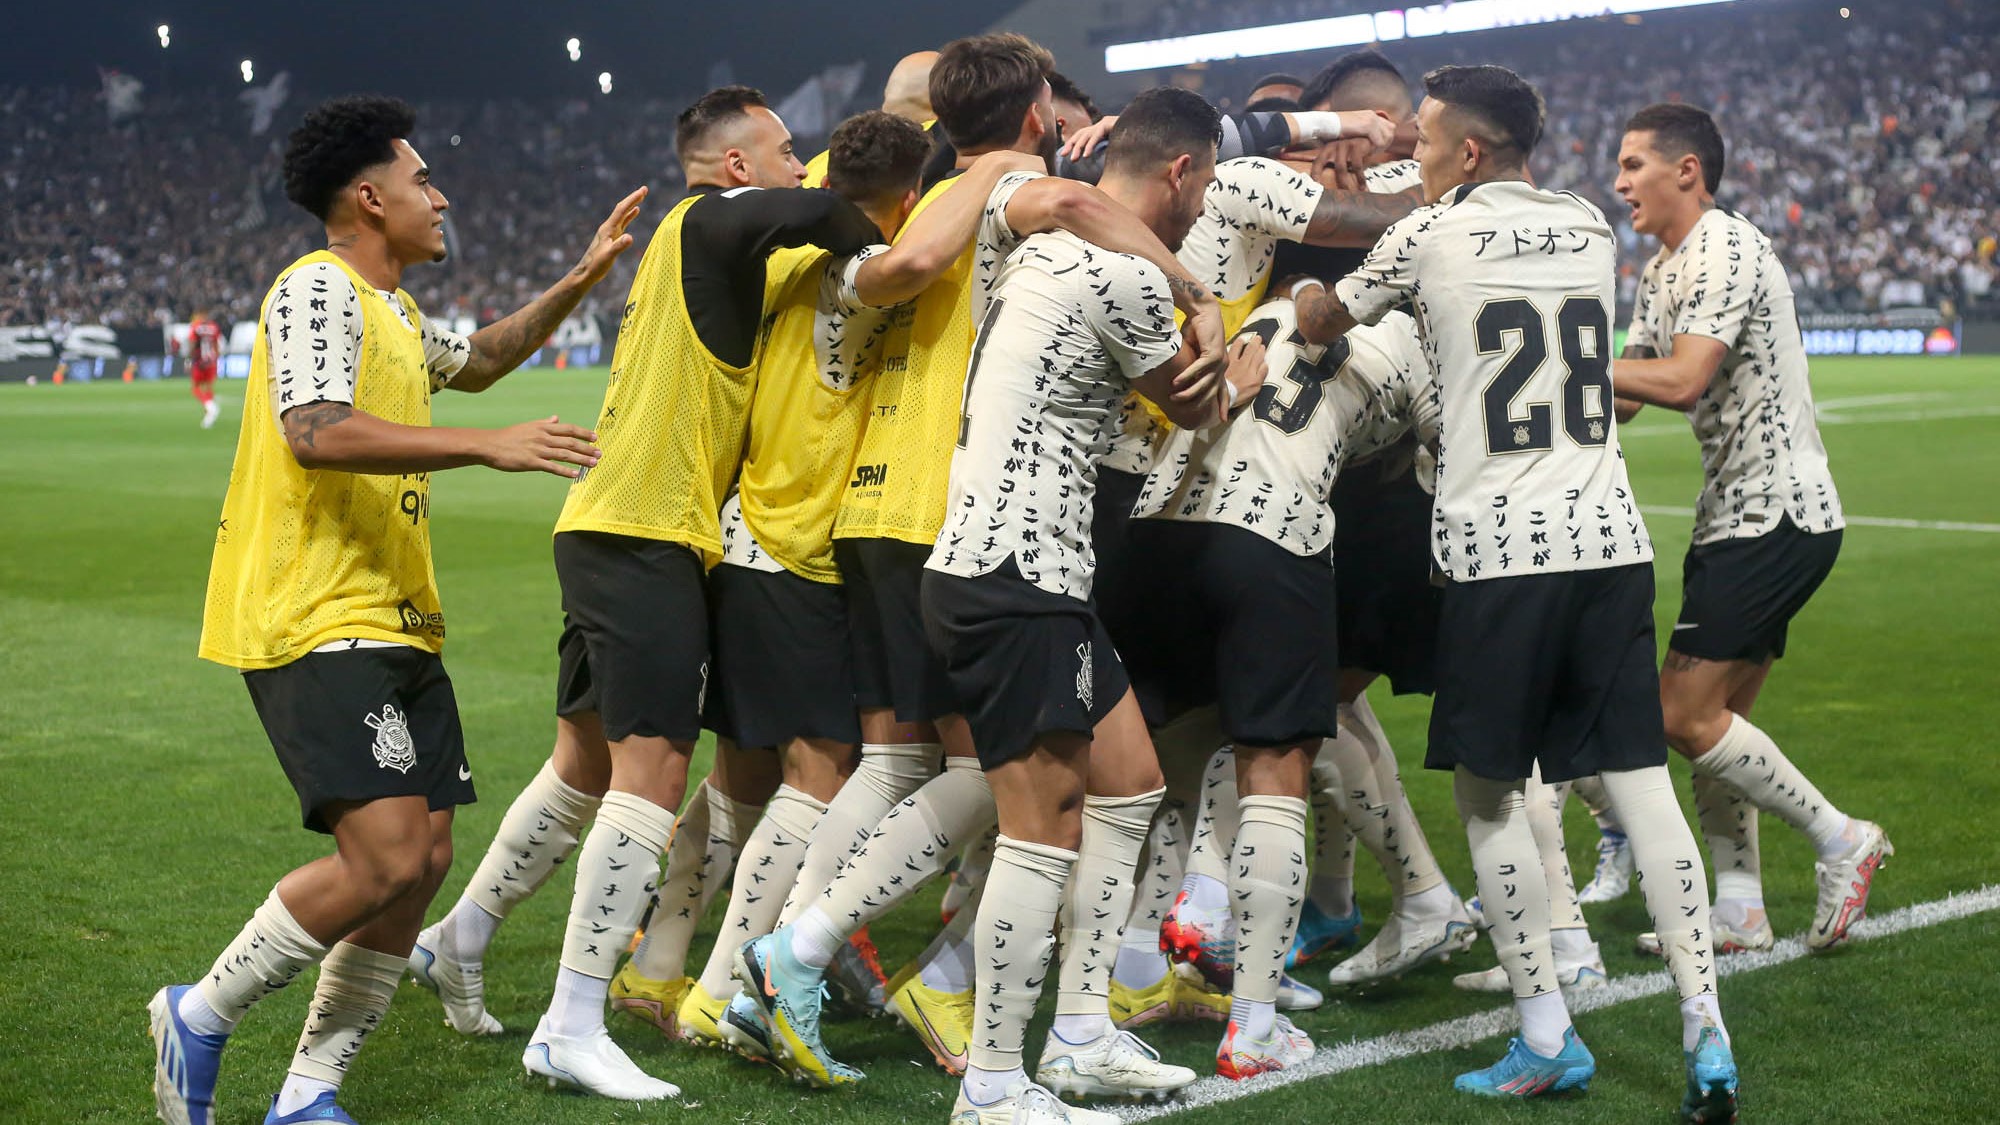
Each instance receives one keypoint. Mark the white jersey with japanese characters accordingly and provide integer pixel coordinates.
(1271, 470)
(1068, 328)
(1761, 455)
(1512, 288)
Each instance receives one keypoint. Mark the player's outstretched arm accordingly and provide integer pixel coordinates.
(934, 239)
(500, 347)
(1357, 219)
(1261, 134)
(1086, 212)
(1676, 381)
(334, 435)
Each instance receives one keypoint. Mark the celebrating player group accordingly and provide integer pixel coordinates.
(1034, 497)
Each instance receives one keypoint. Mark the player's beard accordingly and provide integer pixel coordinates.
(1051, 143)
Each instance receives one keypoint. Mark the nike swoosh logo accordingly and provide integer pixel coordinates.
(1691, 625)
(959, 1057)
(464, 772)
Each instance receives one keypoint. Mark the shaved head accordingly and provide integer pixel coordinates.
(908, 91)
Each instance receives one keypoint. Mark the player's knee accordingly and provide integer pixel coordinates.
(1692, 726)
(395, 872)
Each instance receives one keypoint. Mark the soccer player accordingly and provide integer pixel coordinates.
(204, 352)
(321, 591)
(991, 92)
(1279, 91)
(1388, 611)
(1714, 335)
(1545, 651)
(1244, 513)
(782, 678)
(632, 545)
(1071, 329)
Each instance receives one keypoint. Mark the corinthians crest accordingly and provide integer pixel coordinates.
(393, 748)
(1083, 675)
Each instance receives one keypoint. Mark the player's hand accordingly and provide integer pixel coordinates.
(609, 241)
(1203, 329)
(1360, 123)
(1245, 371)
(1200, 382)
(1342, 165)
(545, 445)
(1084, 141)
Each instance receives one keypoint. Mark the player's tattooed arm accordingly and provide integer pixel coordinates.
(1321, 316)
(1358, 218)
(502, 346)
(1676, 381)
(337, 437)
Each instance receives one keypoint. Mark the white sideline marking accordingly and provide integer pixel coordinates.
(1467, 1030)
(1861, 521)
(1833, 413)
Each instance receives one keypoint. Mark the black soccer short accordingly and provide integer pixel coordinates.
(1024, 661)
(1738, 596)
(1555, 668)
(1388, 603)
(1113, 591)
(1237, 621)
(634, 645)
(894, 664)
(784, 664)
(362, 724)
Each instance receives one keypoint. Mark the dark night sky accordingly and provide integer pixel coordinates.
(462, 48)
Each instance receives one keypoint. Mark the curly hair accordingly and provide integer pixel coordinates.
(337, 141)
(876, 155)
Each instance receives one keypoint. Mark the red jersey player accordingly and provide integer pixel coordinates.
(204, 352)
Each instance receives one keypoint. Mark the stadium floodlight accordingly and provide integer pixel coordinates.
(1380, 27)
(604, 82)
(166, 36)
(248, 71)
(574, 47)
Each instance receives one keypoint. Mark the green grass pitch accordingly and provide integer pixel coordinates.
(144, 815)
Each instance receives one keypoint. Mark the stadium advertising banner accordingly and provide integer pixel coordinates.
(1906, 332)
(94, 351)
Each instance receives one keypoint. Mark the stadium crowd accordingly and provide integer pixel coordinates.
(1876, 181)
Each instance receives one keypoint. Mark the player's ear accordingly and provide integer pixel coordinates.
(1177, 172)
(1032, 127)
(367, 198)
(736, 164)
(1688, 175)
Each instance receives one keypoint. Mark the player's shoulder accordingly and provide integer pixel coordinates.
(1395, 176)
(1723, 231)
(321, 280)
(1245, 175)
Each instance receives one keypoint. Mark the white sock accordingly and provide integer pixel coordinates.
(1014, 936)
(1698, 1012)
(1214, 833)
(1254, 1018)
(1332, 887)
(911, 846)
(984, 1087)
(355, 987)
(577, 1008)
(1746, 758)
(538, 833)
(1435, 902)
(1591, 791)
(268, 954)
(1140, 966)
(1512, 892)
(1080, 1028)
(1543, 803)
(1161, 866)
(947, 963)
(1571, 946)
(1375, 805)
(698, 859)
(1267, 888)
(1729, 827)
(764, 876)
(1095, 904)
(815, 938)
(1670, 875)
(1544, 1020)
(615, 869)
(886, 776)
